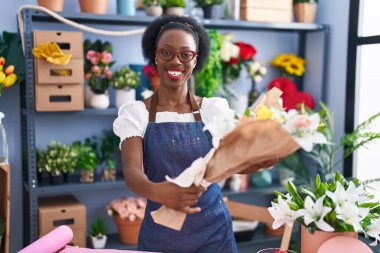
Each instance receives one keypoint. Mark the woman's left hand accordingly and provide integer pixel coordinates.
(258, 166)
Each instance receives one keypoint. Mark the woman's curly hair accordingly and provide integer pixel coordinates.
(188, 24)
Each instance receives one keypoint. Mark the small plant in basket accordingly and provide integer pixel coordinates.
(98, 233)
(109, 146)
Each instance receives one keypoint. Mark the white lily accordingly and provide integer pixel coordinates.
(303, 128)
(353, 215)
(315, 212)
(373, 230)
(282, 213)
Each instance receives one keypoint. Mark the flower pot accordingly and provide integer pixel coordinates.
(109, 174)
(87, 96)
(155, 82)
(126, 7)
(99, 242)
(93, 6)
(100, 101)
(175, 11)
(305, 12)
(86, 176)
(128, 230)
(212, 11)
(310, 243)
(53, 5)
(124, 95)
(154, 10)
(56, 179)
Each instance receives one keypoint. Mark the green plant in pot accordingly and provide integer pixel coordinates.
(97, 64)
(87, 158)
(109, 146)
(210, 8)
(57, 160)
(153, 7)
(174, 7)
(98, 233)
(125, 81)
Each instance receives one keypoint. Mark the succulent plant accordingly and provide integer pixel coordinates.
(125, 78)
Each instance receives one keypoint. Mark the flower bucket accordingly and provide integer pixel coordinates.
(128, 230)
(99, 101)
(124, 95)
(310, 243)
(305, 12)
(126, 7)
(109, 174)
(54, 5)
(99, 242)
(86, 176)
(94, 6)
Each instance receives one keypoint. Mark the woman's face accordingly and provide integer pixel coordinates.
(175, 69)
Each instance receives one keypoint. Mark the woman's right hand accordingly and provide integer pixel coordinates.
(178, 198)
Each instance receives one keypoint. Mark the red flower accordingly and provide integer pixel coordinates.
(234, 61)
(150, 71)
(247, 52)
(291, 96)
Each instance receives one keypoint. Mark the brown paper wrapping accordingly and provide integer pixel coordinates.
(251, 142)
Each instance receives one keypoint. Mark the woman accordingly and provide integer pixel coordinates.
(164, 134)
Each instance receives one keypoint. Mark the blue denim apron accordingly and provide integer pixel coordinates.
(169, 148)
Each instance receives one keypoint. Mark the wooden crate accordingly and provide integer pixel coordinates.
(280, 11)
(5, 202)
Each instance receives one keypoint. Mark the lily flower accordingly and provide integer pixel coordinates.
(282, 213)
(353, 215)
(315, 212)
(373, 230)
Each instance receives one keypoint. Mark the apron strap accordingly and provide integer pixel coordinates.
(193, 103)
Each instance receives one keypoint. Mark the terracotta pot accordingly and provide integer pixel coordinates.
(155, 82)
(54, 5)
(93, 6)
(128, 230)
(305, 12)
(310, 243)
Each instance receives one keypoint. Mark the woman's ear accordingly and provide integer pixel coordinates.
(195, 63)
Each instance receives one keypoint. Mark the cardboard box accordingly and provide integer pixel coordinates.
(266, 10)
(69, 42)
(61, 210)
(57, 87)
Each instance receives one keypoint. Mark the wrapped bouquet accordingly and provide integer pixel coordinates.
(264, 133)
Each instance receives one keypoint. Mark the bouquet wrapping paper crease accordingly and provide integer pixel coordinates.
(249, 143)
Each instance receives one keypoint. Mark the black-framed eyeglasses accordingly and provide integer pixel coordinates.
(183, 56)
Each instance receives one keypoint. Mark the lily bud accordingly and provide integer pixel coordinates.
(2, 61)
(9, 70)
(9, 80)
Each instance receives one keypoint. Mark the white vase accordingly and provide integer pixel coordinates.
(100, 101)
(99, 243)
(124, 95)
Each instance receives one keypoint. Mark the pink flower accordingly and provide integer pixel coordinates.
(106, 57)
(90, 54)
(108, 74)
(95, 69)
(302, 121)
(87, 76)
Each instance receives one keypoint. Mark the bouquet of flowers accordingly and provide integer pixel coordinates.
(235, 56)
(98, 60)
(127, 208)
(341, 206)
(266, 132)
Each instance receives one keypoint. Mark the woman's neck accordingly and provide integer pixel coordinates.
(172, 98)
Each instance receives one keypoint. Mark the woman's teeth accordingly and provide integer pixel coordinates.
(174, 73)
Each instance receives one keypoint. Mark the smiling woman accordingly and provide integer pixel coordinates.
(165, 133)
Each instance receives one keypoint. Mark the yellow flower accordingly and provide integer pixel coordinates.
(9, 80)
(263, 113)
(295, 68)
(281, 59)
(52, 53)
(2, 76)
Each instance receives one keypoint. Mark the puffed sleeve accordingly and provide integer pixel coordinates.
(131, 121)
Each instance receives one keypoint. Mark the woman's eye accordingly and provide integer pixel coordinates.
(166, 53)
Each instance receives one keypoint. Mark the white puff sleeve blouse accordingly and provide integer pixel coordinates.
(133, 117)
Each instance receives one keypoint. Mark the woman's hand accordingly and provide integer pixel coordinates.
(178, 198)
(259, 166)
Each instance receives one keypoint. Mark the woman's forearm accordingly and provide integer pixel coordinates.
(138, 182)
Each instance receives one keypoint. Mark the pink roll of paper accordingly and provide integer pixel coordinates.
(51, 242)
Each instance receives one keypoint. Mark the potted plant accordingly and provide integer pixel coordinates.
(57, 160)
(54, 5)
(98, 233)
(126, 7)
(211, 8)
(2, 230)
(109, 146)
(340, 207)
(305, 10)
(153, 7)
(125, 81)
(94, 6)
(97, 71)
(87, 158)
(153, 75)
(174, 7)
(128, 214)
